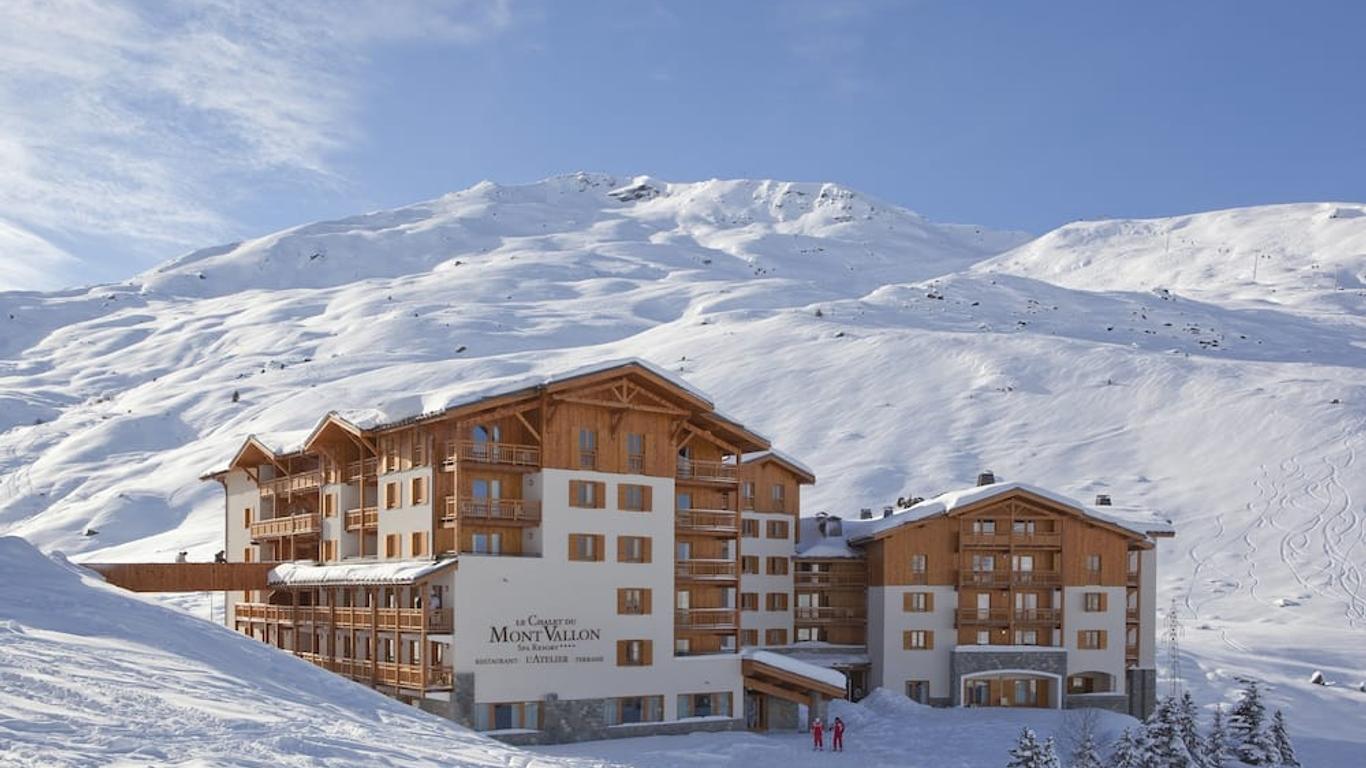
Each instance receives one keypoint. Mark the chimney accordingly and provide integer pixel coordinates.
(986, 477)
(887, 511)
(1102, 499)
(820, 521)
(833, 527)
(866, 513)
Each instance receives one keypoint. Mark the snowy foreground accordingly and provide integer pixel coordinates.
(1211, 367)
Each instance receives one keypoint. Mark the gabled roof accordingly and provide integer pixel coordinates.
(332, 420)
(799, 469)
(961, 501)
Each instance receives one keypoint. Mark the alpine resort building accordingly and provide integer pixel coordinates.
(603, 553)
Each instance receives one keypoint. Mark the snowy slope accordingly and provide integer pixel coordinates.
(891, 354)
(94, 676)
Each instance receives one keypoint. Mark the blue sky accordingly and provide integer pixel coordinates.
(136, 131)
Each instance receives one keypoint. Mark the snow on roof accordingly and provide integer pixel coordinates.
(825, 654)
(779, 455)
(388, 572)
(947, 502)
(816, 672)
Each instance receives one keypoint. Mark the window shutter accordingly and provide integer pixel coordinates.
(599, 495)
(929, 601)
(647, 652)
(1100, 637)
(621, 496)
(621, 601)
(906, 601)
(646, 494)
(645, 547)
(645, 606)
(621, 653)
(929, 639)
(1104, 603)
(621, 549)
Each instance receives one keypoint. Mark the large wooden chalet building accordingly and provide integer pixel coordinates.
(603, 553)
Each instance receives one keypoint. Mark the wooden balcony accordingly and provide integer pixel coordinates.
(971, 617)
(825, 614)
(363, 518)
(1037, 616)
(364, 468)
(437, 620)
(829, 580)
(523, 512)
(707, 619)
(1131, 615)
(1133, 578)
(1002, 579)
(485, 452)
(384, 672)
(692, 470)
(294, 525)
(706, 570)
(712, 521)
(298, 482)
(1012, 539)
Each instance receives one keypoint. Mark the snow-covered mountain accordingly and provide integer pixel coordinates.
(1211, 367)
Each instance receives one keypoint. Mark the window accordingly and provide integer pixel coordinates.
(633, 549)
(1094, 602)
(635, 453)
(918, 690)
(919, 566)
(749, 564)
(1023, 527)
(588, 448)
(329, 551)
(502, 717)
(585, 546)
(703, 704)
(419, 544)
(749, 529)
(634, 653)
(777, 566)
(420, 450)
(775, 637)
(388, 447)
(917, 640)
(1026, 637)
(749, 637)
(984, 526)
(984, 637)
(917, 602)
(392, 497)
(482, 543)
(1092, 569)
(778, 493)
(747, 494)
(633, 498)
(585, 494)
(811, 634)
(329, 505)
(633, 601)
(749, 601)
(417, 491)
(777, 529)
(634, 709)
(392, 545)
(1091, 639)
(246, 517)
(775, 601)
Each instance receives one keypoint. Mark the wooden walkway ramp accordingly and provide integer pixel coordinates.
(184, 577)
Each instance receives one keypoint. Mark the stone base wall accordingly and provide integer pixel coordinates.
(783, 715)
(599, 732)
(1113, 702)
(1142, 687)
(1053, 662)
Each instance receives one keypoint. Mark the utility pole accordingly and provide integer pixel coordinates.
(1173, 642)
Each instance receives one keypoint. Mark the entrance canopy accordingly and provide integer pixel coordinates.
(789, 679)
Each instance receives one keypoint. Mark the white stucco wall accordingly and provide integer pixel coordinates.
(408, 517)
(1147, 609)
(241, 493)
(1075, 619)
(761, 583)
(892, 665)
(493, 593)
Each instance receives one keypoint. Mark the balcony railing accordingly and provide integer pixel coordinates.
(294, 525)
(635, 464)
(707, 570)
(706, 618)
(1037, 616)
(517, 511)
(1131, 614)
(365, 517)
(707, 471)
(708, 520)
(295, 483)
(828, 579)
(349, 617)
(1132, 578)
(485, 452)
(383, 672)
(1011, 538)
(975, 616)
(363, 468)
(1008, 578)
(825, 614)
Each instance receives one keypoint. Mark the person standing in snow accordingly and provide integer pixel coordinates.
(817, 735)
(837, 736)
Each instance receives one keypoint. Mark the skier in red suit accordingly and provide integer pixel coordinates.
(837, 736)
(817, 735)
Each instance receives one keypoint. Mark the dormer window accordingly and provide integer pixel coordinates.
(833, 529)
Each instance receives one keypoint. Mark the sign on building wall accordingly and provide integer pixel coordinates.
(536, 639)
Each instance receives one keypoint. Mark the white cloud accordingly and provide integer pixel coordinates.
(28, 262)
(137, 122)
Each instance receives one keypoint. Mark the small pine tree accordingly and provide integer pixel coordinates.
(1166, 749)
(1029, 753)
(1086, 755)
(1188, 729)
(1247, 728)
(1131, 750)
(1216, 744)
(1280, 740)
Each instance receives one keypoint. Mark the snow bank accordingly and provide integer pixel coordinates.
(92, 675)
